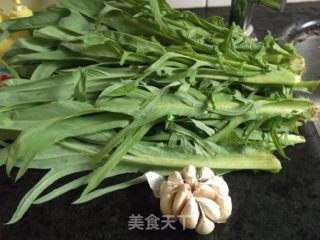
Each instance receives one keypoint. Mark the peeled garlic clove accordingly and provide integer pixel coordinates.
(181, 199)
(175, 178)
(210, 208)
(167, 193)
(189, 174)
(204, 190)
(189, 215)
(205, 174)
(225, 204)
(205, 226)
(220, 185)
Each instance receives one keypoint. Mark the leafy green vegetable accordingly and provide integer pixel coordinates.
(104, 88)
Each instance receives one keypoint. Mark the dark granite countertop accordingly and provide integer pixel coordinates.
(266, 206)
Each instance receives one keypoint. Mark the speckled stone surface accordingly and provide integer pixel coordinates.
(266, 206)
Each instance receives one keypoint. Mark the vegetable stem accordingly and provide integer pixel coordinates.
(253, 161)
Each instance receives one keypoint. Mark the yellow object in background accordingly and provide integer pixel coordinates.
(19, 11)
(3, 17)
(34, 5)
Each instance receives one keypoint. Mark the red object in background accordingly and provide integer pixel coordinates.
(4, 77)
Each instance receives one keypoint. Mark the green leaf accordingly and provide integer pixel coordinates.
(51, 177)
(76, 23)
(33, 141)
(31, 44)
(117, 90)
(276, 140)
(80, 91)
(76, 183)
(54, 33)
(104, 171)
(203, 127)
(157, 14)
(103, 191)
(46, 69)
(57, 55)
(88, 8)
(42, 19)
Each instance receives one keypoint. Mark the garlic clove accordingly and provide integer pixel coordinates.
(205, 226)
(166, 204)
(204, 190)
(167, 193)
(225, 204)
(209, 208)
(190, 214)
(205, 174)
(165, 187)
(175, 178)
(181, 199)
(189, 174)
(220, 186)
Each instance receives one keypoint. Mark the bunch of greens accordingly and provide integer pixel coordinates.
(107, 87)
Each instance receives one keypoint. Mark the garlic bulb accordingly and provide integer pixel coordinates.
(197, 201)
